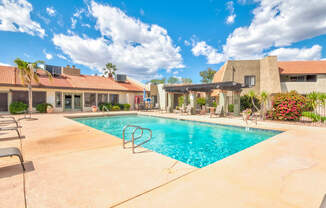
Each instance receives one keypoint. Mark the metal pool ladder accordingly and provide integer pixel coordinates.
(133, 138)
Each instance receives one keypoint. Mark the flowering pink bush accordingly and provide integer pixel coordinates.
(287, 106)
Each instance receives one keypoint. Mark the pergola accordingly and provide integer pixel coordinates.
(191, 89)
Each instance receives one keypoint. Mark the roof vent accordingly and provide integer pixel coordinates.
(121, 77)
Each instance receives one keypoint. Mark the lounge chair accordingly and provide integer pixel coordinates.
(218, 111)
(11, 129)
(12, 151)
(6, 120)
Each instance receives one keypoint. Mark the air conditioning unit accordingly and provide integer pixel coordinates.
(54, 70)
(121, 77)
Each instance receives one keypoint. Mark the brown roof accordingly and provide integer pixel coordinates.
(302, 67)
(9, 76)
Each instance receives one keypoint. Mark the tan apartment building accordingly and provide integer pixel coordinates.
(273, 76)
(69, 90)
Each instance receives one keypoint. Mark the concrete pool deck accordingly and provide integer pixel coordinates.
(72, 165)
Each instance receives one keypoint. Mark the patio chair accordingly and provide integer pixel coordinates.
(252, 117)
(11, 129)
(6, 120)
(12, 151)
(219, 111)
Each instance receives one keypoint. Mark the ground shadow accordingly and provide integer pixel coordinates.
(16, 169)
(11, 138)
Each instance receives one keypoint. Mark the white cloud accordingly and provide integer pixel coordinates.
(141, 11)
(285, 54)
(230, 6)
(187, 43)
(138, 49)
(212, 55)
(4, 64)
(51, 11)
(62, 57)
(73, 23)
(86, 25)
(15, 17)
(79, 12)
(48, 56)
(276, 23)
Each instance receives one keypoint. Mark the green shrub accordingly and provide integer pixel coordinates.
(17, 107)
(314, 117)
(245, 103)
(115, 108)
(42, 108)
(214, 104)
(181, 101)
(287, 106)
(126, 107)
(201, 101)
(107, 105)
(231, 108)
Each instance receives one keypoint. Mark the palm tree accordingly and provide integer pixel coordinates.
(313, 97)
(28, 74)
(109, 69)
(263, 99)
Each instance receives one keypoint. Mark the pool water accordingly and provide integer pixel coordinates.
(195, 143)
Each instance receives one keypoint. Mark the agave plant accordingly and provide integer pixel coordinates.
(313, 97)
(28, 74)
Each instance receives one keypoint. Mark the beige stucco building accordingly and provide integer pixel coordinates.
(273, 76)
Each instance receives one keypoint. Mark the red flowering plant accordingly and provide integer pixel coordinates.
(287, 106)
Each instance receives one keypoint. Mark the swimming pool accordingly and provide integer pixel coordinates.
(195, 143)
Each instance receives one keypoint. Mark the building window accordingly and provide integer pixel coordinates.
(250, 81)
(114, 98)
(38, 98)
(102, 98)
(297, 78)
(311, 78)
(20, 96)
(58, 99)
(90, 99)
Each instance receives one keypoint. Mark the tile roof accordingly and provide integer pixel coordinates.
(9, 76)
(302, 67)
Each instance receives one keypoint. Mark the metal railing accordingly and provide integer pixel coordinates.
(133, 138)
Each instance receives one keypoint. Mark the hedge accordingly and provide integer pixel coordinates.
(17, 107)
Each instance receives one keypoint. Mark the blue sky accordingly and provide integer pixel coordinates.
(155, 39)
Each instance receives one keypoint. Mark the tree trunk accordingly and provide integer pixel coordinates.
(30, 99)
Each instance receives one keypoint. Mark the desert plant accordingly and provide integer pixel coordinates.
(105, 106)
(288, 106)
(115, 108)
(263, 100)
(231, 108)
(126, 107)
(17, 107)
(201, 101)
(42, 108)
(245, 102)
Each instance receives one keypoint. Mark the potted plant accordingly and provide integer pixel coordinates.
(94, 108)
(49, 109)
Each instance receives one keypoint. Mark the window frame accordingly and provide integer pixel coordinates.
(112, 96)
(249, 77)
(56, 101)
(101, 95)
(89, 103)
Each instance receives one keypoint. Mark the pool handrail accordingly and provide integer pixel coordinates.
(133, 138)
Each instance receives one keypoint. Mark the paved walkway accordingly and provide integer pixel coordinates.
(72, 165)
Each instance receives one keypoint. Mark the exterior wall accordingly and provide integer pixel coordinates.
(162, 96)
(306, 87)
(70, 70)
(242, 68)
(124, 97)
(269, 75)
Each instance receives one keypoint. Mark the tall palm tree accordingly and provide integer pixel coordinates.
(263, 99)
(109, 69)
(28, 74)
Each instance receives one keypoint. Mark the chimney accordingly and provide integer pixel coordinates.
(68, 66)
(71, 71)
(73, 66)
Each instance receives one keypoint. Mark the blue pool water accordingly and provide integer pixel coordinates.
(195, 143)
